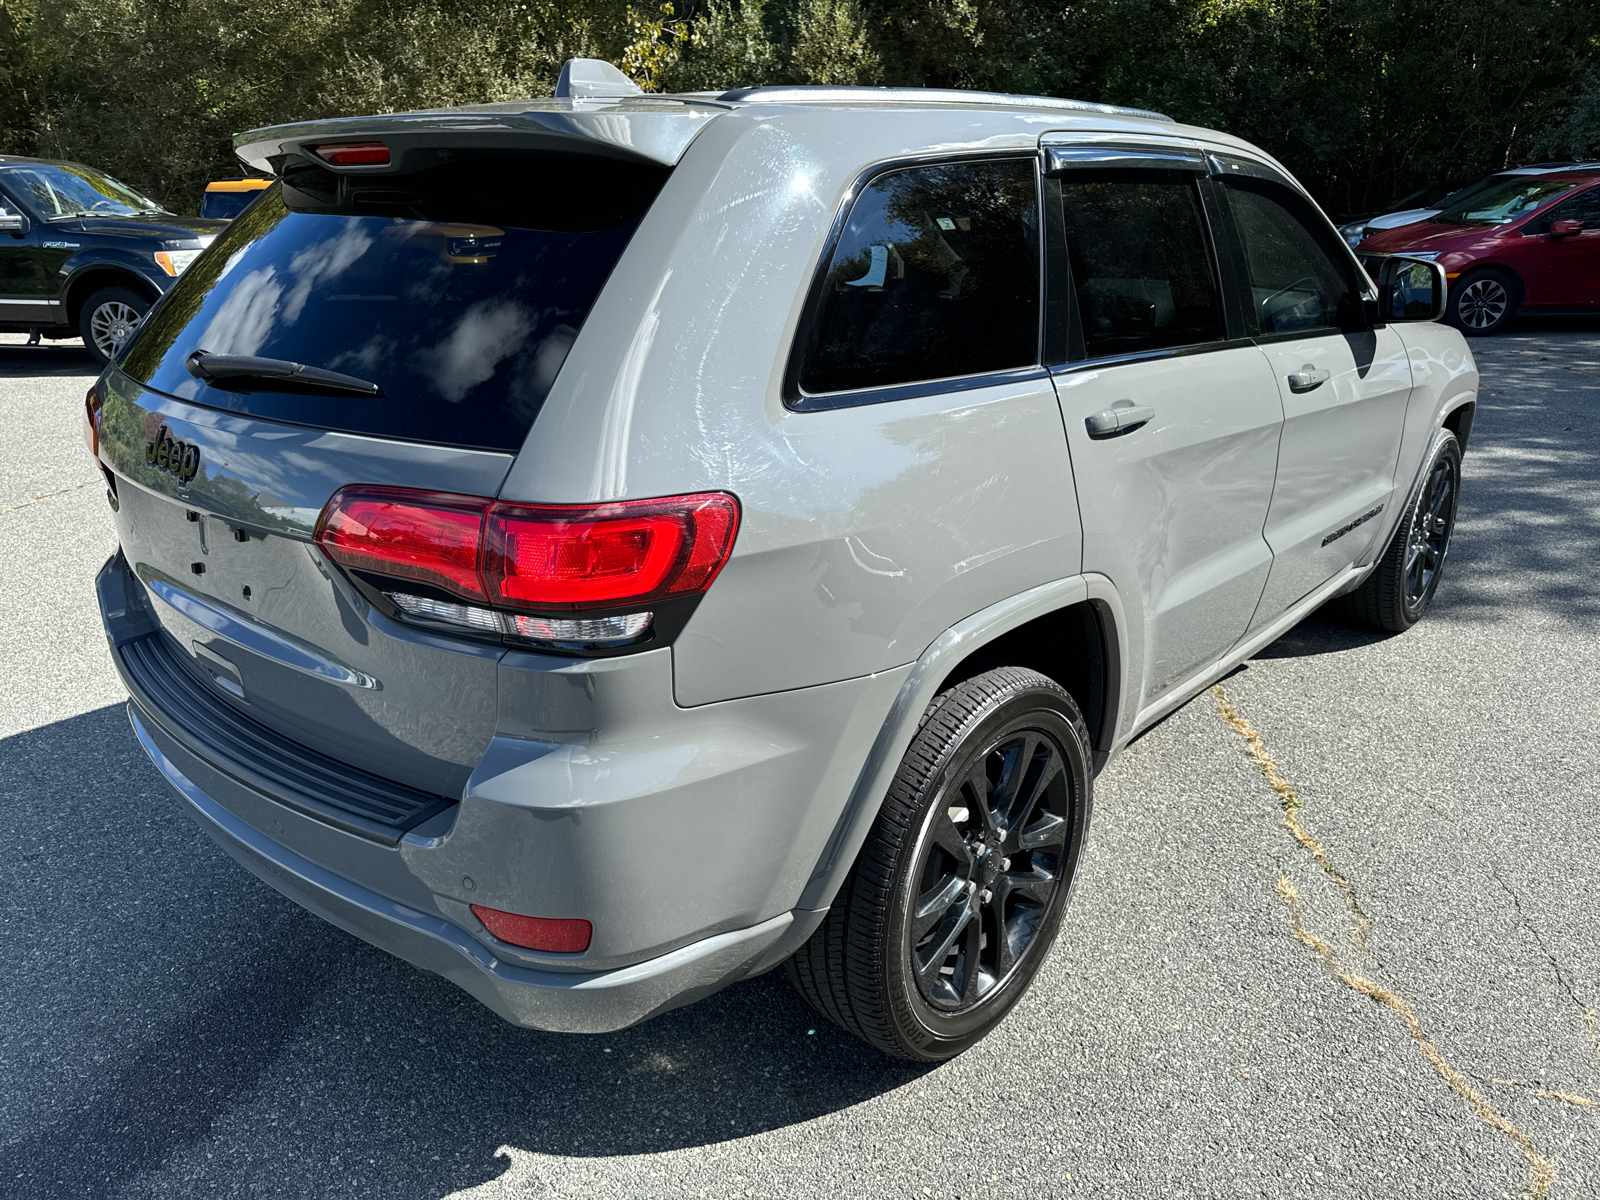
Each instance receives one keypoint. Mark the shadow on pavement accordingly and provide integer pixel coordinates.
(18, 361)
(237, 1020)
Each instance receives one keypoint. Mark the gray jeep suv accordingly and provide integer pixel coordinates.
(603, 548)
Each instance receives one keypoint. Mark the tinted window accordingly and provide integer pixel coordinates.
(1585, 208)
(1299, 282)
(1141, 265)
(226, 206)
(935, 275)
(458, 291)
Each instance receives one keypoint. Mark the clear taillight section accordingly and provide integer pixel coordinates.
(527, 572)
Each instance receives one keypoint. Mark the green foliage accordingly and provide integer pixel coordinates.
(1360, 98)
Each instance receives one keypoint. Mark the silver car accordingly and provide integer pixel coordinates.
(602, 548)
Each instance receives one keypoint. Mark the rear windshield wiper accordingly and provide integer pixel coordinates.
(239, 369)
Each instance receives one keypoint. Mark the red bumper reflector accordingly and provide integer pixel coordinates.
(550, 934)
(91, 421)
(354, 154)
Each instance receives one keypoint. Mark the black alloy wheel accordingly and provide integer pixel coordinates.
(1402, 586)
(988, 868)
(1431, 525)
(958, 893)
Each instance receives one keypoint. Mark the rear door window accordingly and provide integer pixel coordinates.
(1142, 268)
(457, 291)
(935, 276)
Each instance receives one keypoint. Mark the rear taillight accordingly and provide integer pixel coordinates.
(403, 534)
(527, 572)
(92, 404)
(354, 154)
(554, 935)
(565, 559)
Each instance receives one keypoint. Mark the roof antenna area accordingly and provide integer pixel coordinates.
(586, 78)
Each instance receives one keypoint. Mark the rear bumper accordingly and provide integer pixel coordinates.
(563, 1002)
(686, 835)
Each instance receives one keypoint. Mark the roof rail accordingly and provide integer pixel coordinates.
(825, 93)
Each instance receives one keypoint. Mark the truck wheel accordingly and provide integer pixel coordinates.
(1483, 303)
(959, 890)
(1401, 589)
(108, 320)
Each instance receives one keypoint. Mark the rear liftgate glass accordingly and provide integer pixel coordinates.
(453, 293)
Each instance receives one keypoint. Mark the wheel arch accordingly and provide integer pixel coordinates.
(1057, 627)
(1459, 421)
(89, 280)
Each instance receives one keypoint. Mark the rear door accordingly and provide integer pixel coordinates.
(25, 293)
(1171, 415)
(458, 297)
(1343, 387)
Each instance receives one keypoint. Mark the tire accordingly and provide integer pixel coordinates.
(875, 966)
(1483, 303)
(1401, 589)
(108, 320)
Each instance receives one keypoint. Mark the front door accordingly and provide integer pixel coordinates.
(1344, 388)
(1568, 275)
(1174, 485)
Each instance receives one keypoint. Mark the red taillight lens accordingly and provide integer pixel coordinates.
(425, 536)
(564, 558)
(354, 154)
(556, 936)
(92, 404)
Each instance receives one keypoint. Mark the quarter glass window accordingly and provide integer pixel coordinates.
(935, 275)
(1298, 282)
(1141, 266)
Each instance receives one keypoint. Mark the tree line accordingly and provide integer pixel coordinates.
(1362, 99)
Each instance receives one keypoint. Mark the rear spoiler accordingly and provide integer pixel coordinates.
(652, 130)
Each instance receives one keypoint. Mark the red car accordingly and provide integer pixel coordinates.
(1528, 245)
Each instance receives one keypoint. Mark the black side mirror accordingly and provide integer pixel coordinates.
(1411, 289)
(16, 225)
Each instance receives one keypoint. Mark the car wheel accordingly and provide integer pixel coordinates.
(1484, 302)
(108, 320)
(1401, 589)
(958, 892)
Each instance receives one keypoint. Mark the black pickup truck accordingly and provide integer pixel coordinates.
(82, 255)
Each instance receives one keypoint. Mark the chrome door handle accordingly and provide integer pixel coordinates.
(1122, 418)
(1308, 377)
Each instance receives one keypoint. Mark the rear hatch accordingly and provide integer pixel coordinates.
(456, 291)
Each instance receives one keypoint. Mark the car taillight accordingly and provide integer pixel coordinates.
(400, 533)
(354, 154)
(552, 574)
(92, 404)
(556, 935)
(565, 559)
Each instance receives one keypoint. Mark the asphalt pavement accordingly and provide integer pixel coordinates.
(1416, 1013)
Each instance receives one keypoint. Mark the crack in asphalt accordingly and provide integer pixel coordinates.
(1562, 981)
(1542, 1172)
(77, 487)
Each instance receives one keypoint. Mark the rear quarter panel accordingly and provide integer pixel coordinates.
(866, 531)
